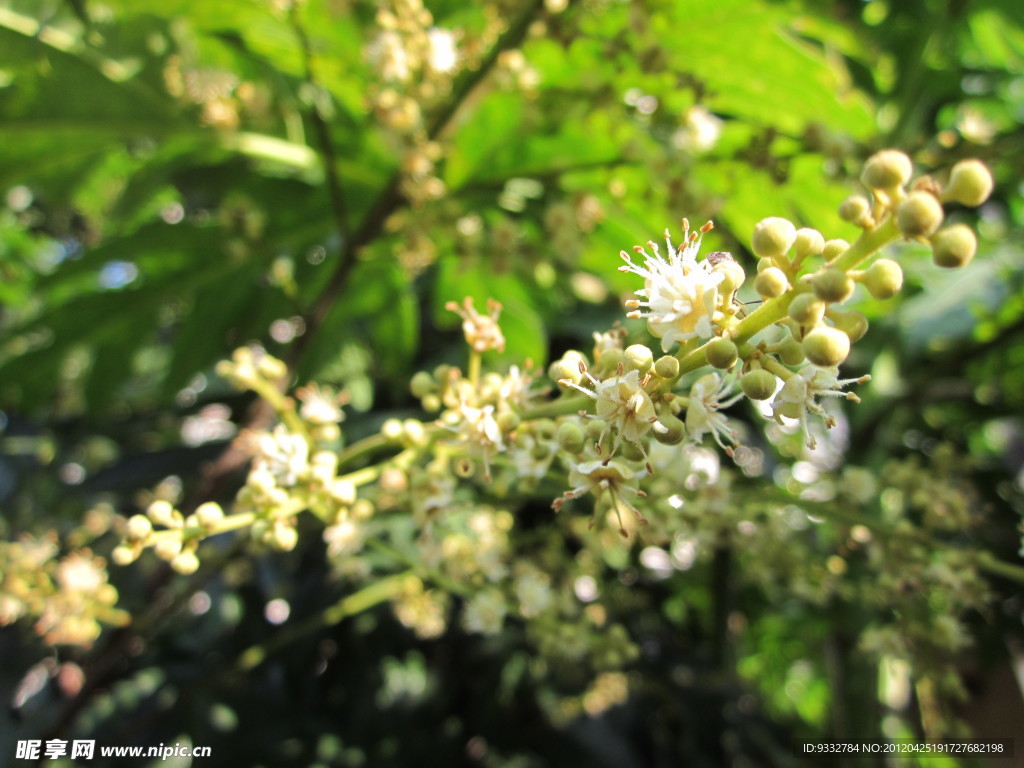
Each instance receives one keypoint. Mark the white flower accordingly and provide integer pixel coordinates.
(798, 397)
(624, 404)
(283, 454)
(443, 56)
(479, 429)
(702, 414)
(342, 538)
(320, 405)
(387, 53)
(700, 131)
(533, 590)
(485, 613)
(598, 476)
(680, 292)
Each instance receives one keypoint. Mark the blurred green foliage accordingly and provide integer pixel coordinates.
(182, 178)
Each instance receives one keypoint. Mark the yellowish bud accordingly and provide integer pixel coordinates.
(667, 367)
(638, 357)
(888, 169)
(773, 236)
(570, 437)
(809, 242)
(919, 215)
(807, 309)
(771, 282)
(674, 432)
(832, 285)
(834, 249)
(139, 527)
(856, 210)
(970, 183)
(826, 346)
(853, 324)
(883, 279)
(185, 562)
(954, 246)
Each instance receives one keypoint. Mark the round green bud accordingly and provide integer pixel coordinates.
(545, 428)
(771, 282)
(970, 183)
(541, 450)
(185, 563)
(954, 246)
(610, 359)
(638, 357)
(432, 403)
(631, 451)
(570, 437)
(391, 429)
(919, 215)
(856, 210)
(807, 309)
(595, 428)
(507, 421)
(722, 354)
(834, 249)
(773, 236)
(832, 285)
(792, 410)
(759, 384)
(853, 324)
(883, 279)
(809, 242)
(764, 263)
(139, 527)
(791, 353)
(734, 274)
(826, 346)
(674, 431)
(667, 367)
(887, 169)
(422, 384)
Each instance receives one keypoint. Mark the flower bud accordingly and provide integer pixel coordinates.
(638, 357)
(139, 527)
(759, 384)
(832, 285)
(284, 537)
(570, 437)
(124, 554)
(919, 215)
(595, 428)
(883, 279)
(162, 513)
(807, 309)
(631, 451)
(856, 210)
(970, 183)
(343, 491)
(834, 249)
(887, 169)
(791, 353)
(773, 236)
(826, 346)
(185, 563)
(853, 324)
(422, 384)
(507, 421)
(675, 429)
(722, 354)
(272, 368)
(734, 275)
(667, 367)
(209, 514)
(954, 246)
(809, 242)
(568, 367)
(391, 429)
(771, 282)
(167, 547)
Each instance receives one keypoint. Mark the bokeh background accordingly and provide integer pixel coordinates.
(183, 178)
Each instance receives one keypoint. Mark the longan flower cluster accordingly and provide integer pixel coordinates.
(68, 597)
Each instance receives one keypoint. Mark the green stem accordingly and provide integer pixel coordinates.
(561, 407)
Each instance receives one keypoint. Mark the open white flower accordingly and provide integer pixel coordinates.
(284, 455)
(603, 476)
(624, 404)
(479, 430)
(702, 414)
(798, 397)
(680, 293)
